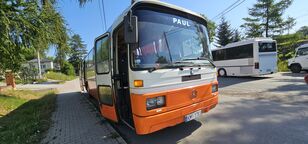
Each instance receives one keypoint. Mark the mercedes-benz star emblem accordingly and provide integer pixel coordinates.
(193, 94)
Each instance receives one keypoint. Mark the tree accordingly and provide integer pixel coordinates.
(303, 31)
(27, 26)
(224, 33)
(289, 24)
(18, 24)
(266, 17)
(68, 68)
(252, 28)
(78, 51)
(211, 26)
(236, 36)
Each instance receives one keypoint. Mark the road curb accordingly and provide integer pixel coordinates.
(117, 136)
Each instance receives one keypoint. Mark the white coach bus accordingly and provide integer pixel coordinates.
(252, 57)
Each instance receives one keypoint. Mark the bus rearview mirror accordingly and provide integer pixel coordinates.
(130, 29)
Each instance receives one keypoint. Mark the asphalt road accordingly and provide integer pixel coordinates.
(267, 110)
(286, 88)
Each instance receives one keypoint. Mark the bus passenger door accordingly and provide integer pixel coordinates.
(103, 78)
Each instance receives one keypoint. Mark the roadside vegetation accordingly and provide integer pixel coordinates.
(28, 30)
(59, 76)
(287, 45)
(25, 115)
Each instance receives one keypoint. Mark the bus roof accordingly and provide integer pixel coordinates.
(246, 41)
(155, 2)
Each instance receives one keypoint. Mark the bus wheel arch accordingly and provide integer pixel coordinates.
(296, 68)
(222, 72)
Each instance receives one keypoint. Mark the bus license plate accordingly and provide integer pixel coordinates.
(192, 116)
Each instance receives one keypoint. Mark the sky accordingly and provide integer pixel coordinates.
(87, 22)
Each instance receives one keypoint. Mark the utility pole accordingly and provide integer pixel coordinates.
(39, 64)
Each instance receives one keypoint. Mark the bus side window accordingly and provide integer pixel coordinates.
(102, 53)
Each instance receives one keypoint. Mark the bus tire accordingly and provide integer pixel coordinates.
(296, 68)
(222, 72)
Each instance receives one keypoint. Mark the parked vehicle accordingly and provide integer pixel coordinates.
(153, 68)
(300, 61)
(252, 57)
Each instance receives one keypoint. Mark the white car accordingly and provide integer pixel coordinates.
(300, 61)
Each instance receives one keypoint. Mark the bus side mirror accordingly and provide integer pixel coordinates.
(130, 28)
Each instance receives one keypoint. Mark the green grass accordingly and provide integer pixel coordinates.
(25, 115)
(59, 76)
(9, 103)
(283, 66)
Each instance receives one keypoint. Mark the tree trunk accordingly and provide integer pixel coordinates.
(39, 64)
(267, 19)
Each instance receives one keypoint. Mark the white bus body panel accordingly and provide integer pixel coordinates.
(246, 66)
(268, 63)
(238, 67)
(169, 79)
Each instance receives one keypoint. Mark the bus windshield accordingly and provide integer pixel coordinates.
(166, 39)
(267, 47)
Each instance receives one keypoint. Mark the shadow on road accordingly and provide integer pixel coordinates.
(233, 121)
(250, 121)
(228, 81)
(169, 135)
(302, 74)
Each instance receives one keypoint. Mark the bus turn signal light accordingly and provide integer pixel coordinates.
(138, 83)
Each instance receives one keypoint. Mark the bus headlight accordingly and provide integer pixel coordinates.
(214, 88)
(160, 101)
(156, 102)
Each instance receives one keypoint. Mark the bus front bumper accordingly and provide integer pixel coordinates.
(157, 122)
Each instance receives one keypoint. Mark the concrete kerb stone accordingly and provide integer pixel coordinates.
(116, 135)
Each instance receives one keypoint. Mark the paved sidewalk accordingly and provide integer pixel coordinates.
(76, 121)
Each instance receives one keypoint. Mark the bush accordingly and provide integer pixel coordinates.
(68, 69)
(49, 70)
(283, 66)
(59, 76)
(39, 80)
(26, 75)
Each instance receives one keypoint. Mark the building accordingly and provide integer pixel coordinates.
(46, 64)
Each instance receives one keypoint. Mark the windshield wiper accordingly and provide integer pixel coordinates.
(183, 62)
(200, 58)
(166, 66)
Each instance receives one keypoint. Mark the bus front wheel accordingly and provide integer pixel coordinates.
(296, 68)
(222, 72)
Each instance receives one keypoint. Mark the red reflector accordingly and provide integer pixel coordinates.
(257, 65)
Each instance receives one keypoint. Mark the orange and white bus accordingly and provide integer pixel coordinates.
(153, 68)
